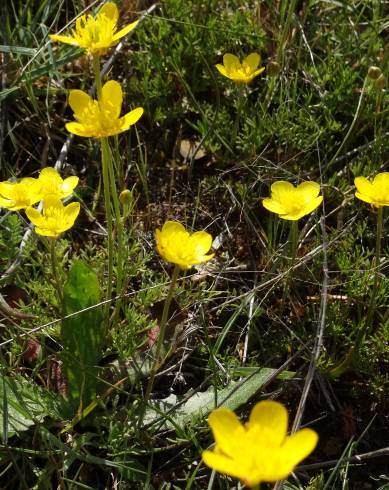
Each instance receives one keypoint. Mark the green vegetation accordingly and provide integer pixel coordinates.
(296, 314)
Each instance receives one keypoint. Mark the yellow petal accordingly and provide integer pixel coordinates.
(111, 99)
(170, 227)
(52, 201)
(230, 61)
(223, 464)
(280, 188)
(221, 69)
(227, 430)
(71, 211)
(79, 101)
(364, 197)
(382, 179)
(252, 61)
(202, 242)
(51, 174)
(63, 39)
(69, 184)
(79, 129)
(309, 189)
(298, 446)
(131, 118)
(125, 31)
(110, 10)
(257, 72)
(270, 419)
(273, 206)
(34, 216)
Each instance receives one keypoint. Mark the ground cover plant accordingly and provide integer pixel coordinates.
(194, 245)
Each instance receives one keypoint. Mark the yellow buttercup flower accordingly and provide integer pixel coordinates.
(375, 192)
(176, 245)
(98, 119)
(52, 183)
(55, 218)
(261, 450)
(240, 72)
(96, 34)
(19, 195)
(292, 203)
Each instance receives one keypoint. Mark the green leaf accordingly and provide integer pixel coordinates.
(82, 334)
(172, 415)
(23, 404)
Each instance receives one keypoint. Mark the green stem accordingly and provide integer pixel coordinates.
(96, 69)
(293, 242)
(239, 107)
(57, 280)
(161, 336)
(106, 162)
(119, 229)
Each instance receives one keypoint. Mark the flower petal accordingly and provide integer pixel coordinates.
(34, 216)
(270, 419)
(173, 227)
(79, 101)
(130, 118)
(223, 464)
(309, 189)
(71, 212)
(382, 179)
(222, 69)
(280, 188)
(227, 430)
(111, 99)
(69, 184)
(110, 10)
(230, 61)
(79, 129)
(63, 39)
(251, 61)
(123, 32)
(298, 446)
(273, 206)
(202, 242)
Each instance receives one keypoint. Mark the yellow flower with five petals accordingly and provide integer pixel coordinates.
(51, 183)
(240, 72)
(261, 450)
(55, 217)
(178, 246)
(96, 34)
(375, 192)
(292, 203)
(19, 195)
(98, 119)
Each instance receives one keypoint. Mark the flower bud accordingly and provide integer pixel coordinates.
(380, 83)
(126, 197)
(374, 72)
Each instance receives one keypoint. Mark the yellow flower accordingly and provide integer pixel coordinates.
(240, 72)
(55, 218)
(96, 34)
(260, 451)
(19, 195)
(176, 245)
(98, 119)
(375, 192)
(53, 184)
(291, 202)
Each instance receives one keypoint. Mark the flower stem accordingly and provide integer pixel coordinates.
(57, 280)
(239, 107)
(106, 161)
(96, 69)
(293, 241)
(161, 336)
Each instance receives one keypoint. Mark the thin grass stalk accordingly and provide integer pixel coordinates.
(161, 338)
(54, 268)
